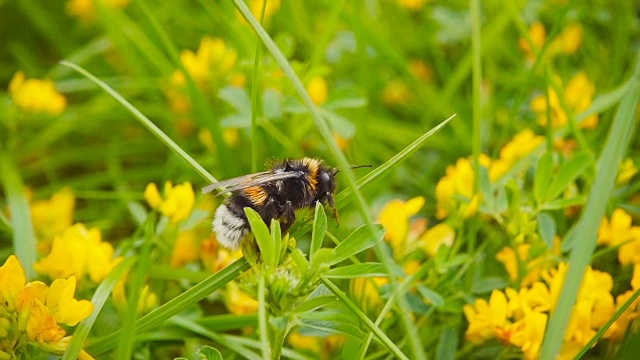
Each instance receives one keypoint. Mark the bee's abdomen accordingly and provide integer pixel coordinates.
(230, 227)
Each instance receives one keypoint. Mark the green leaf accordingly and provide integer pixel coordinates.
(24, 238)
(344, 97)
(315, 303)
(563, 203)
(447, 344)
(262, 236)
(434, 298)
(319, 229)
(209, 353)
(542, 178)
(357, 241)
(586, 229)
(272, 104)
(156, 317)
(568, 173)
(276, 241)
(236, 97)
(547, 228)
(339, 123)
(357, 270)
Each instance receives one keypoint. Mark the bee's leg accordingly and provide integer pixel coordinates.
(288, 216)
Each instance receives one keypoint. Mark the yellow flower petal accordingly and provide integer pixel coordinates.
(12, 281)
(42, 326)
(63, 306)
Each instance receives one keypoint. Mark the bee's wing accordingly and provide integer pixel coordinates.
(247, 181)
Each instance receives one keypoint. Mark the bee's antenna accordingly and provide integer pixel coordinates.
(337, 170)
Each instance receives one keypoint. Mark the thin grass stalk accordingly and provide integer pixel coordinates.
(587, 227)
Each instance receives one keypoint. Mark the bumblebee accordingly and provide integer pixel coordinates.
(274, 194)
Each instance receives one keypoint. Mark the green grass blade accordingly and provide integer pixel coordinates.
(24, 238)
(319, 229)
(98, 300)
(392, 162)
(226, 341)
(135, 286)
(476, 77)
(262, 318)
(175, 305)
(368, 323)
(145, 121)
(587, 227)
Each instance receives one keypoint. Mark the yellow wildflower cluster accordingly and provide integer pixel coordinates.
(78, 251)
(519, 317)
(177, 203)
(52, 216)
(406, 236)
(213, 61)
(455, 191)
(36, 96)
(578, 96)
(85, 10)
(619, 231)
(30, 313)
(567, 42)
(272, 6)
(532, 267)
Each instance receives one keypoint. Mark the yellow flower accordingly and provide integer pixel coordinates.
(529, 332)
(238, 302)
(31, 311)
(569, 40)
(619, 327)
(148, 299)
(626, 171)
(256, 8)
(395, 216)
(215, 258)
(304, 342)
(617, 230)
(578, 96)
(12, 280)
(439, 235)
(61, 346)
(51, 217)
(366, 293)
(85, 10)
(42, 326)
(78, 251)
(36, 96)
(317, 89)
(413, 5)
(538, 34)
(63, 306)
(488, 320)
(396, 93)
(178, 201)
(457, 183)
(186, 248)
(213, 61)
(523, 144)
(421, 70)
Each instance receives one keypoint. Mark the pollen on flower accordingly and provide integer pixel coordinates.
(36, 96)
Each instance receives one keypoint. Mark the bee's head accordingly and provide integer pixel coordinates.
(326, 185)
